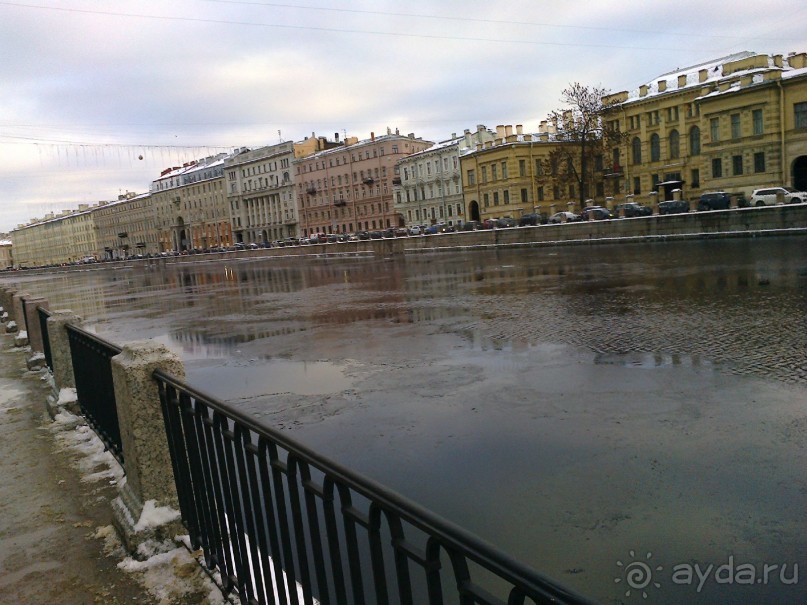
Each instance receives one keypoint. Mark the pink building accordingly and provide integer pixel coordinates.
(349, 188)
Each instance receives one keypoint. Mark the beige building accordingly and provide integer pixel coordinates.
(260, 193)
(428, 184)
(6, 255)
(190, 206)
(736, 124)
(349, 188)
(125, 227)
(56, 239)
(506, 177)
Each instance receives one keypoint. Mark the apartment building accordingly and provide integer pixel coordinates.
(735, 123)
(349, 188)
(6, 254)
(125, 227)
(260, 193)
(428, 184)
(190, 206)
(507, 177)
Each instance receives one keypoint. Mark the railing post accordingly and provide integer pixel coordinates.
(61, 357)
(147, 462)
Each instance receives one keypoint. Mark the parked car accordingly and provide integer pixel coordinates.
(471, 226)
(506, 222)
(673, 207)
(564, 217)
(632, 209)
(531, 219)
(767, 197)
(595, 213)
(415, 230)
(434, 229)
(714, 200)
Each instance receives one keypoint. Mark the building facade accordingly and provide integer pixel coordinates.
(428, 184)
(260, 193)
(125, 227)
(507, 177)
(6, 254)
(734, 124)
(190, 206)
(350, 188)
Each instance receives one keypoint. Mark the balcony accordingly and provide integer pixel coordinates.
(368, 180)
(123, 234)
(311, 190)
(612, 172)
(340, 203)
(396, 180)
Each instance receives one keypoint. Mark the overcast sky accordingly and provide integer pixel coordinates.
(89, 86)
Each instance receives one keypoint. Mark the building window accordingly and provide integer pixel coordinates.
(636, 146)
(759, 161)
(717, 168)
(486, 200)
(522, 168)
(714, 127)
(800, 113)
(737, 164)
(655, 148)
(675, 146)
(540, 194)
(539, 167)
(695, 178)
(495, 198)
(471, 177)
(637, 185)
(523, 196)
(695, 141)
(756, 116)
(493, 172)
(506, 196)
(483, 175)
(735, 126)
(504, 170)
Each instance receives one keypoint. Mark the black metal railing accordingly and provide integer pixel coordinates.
(92, 370)
(283, 524)
(43, 328)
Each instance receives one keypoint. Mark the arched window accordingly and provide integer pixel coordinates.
(655, 148)
(636, 145)
(695, 141)
(675, 147)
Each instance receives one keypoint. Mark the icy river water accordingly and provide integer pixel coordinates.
(582, 408)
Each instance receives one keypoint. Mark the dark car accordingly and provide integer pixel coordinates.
(673, 207)
(714, 200)
(595, 213)
(506, 222)
(471, 226)
(531, 219)
(632, 209)
(363, 235)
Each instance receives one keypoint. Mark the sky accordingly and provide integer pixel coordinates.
(89, 87)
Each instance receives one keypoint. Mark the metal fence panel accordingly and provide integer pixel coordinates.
(43, 326)
(92, 368)
(285, 525)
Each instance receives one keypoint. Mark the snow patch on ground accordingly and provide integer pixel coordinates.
(96, 462)
(67, 395)
(154, 516)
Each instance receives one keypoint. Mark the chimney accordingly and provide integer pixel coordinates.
(702, 75)
(508, 130)
(519, 129)
(662, 85)
(500, 131)
(682, 80)
(336, 136)
(643, 90)
(372, 136)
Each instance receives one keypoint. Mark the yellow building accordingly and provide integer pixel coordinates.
(507, 177)
(6, 255)
(125, 227)
(734, 124)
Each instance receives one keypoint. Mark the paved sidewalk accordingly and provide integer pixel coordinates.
(56, 543)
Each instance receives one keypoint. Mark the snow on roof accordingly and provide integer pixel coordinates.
(5, 242)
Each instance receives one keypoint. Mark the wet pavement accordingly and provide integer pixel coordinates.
(572, 405)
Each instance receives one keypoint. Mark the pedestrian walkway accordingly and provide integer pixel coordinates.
(56, 540)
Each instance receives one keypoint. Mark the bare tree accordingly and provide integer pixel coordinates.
(583, 136)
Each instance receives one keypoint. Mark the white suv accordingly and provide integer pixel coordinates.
(767, 197)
